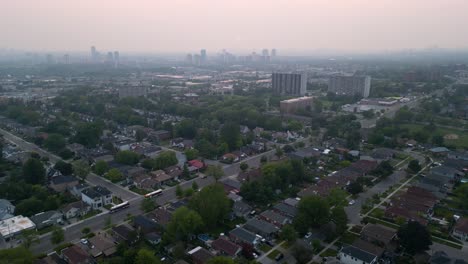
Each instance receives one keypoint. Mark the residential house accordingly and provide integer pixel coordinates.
(47, 218)
(368, 247)
(200, 255)
(153, 238)
(381, 154)
(244, 129)
(445, 174)
(242, 236)
(144, 224)
(51, 258)
(75, 209)
(78, 189)
(96, 197)
(234, 197)
(160, 135)
(231, 185)
(291, 202)
(76, 255)
(124, 233)
(275, 218)
(199, 165)
(378, 234)
(460, 230)
(458, 155)
(440, 257)
(75, 147)
(102, 245)
(250, 175)
(161, 216)
(7, 209)
(226, 247)
(309, 152)
(161, 177)
(439, 151)
(145, 181)
(262, 228)
(181, 143)
(241, 209)
(284, 209)
(230, 158)
(354, 255)
(173, 171)
(63, 183)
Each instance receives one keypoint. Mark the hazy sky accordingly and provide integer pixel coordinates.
(188, 25)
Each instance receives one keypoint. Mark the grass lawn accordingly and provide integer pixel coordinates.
(273, 254)
(348, 238)
(450, 244)
(462, 141)
(329, 253)
(264, 247)
(139, 191)
(90, 214)
(45, 230)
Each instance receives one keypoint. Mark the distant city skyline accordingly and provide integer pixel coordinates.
(185, 26)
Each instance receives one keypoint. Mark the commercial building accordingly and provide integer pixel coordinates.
(132, 91)
(350, 85)
(289, 83)
(15, 225)
(293, 105)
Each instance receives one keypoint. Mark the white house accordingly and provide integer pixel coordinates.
(96, 197)
(354, 255)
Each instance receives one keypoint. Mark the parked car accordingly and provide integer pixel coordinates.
(279, 257)
(352, 202)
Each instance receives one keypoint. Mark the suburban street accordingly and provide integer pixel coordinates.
(98, 222)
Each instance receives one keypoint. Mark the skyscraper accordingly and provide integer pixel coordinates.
(66, 59)
(93, 53)
(350, 85)
(110, 57)
(273, 52)
(265, 52)
(289, 83)
(202, 56)
(189, 59)
(116, 58)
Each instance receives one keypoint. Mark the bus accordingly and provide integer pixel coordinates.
(118, 207)
(155, 193)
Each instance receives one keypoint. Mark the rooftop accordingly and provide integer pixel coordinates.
(11, 226)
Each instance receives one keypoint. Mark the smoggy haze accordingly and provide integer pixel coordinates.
(187, 25)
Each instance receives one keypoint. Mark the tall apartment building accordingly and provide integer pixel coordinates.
(289, 83)
(292, 105)
(350, 85)
(132, 91)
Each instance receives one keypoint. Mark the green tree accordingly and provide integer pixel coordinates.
(64, 167)
(384, 169)
(179, 191)
(16, 255)
(57, 235)
(186, 128)
(312, 212)
(414, 166)
(337, 197)
(191, 154)
(184, 224)
(140, 135)
(355, 187)
(88, 134)
(195, 186)
(414, 237)
(85, 230)
(461, 194)
(216, 172)
(316, 245)
(243, 166)
(301, 253)
(220, 260)
(185, 172)
(147, 205)
(114, 175)
(188, 192)
(127, 157)
(166, 159)
(55, 142)
(339, 217)
(81, 169)
(212, 204)
(145, 256)
(438, 140)
(29, 237)
(230, 134)
(279, 152)
(33, 171)
(101, 167)
(288, 233)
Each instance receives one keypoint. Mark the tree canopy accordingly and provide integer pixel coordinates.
(212, 205)
(184, 224)
(34, 171)
(414, 237)
(313, 211)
